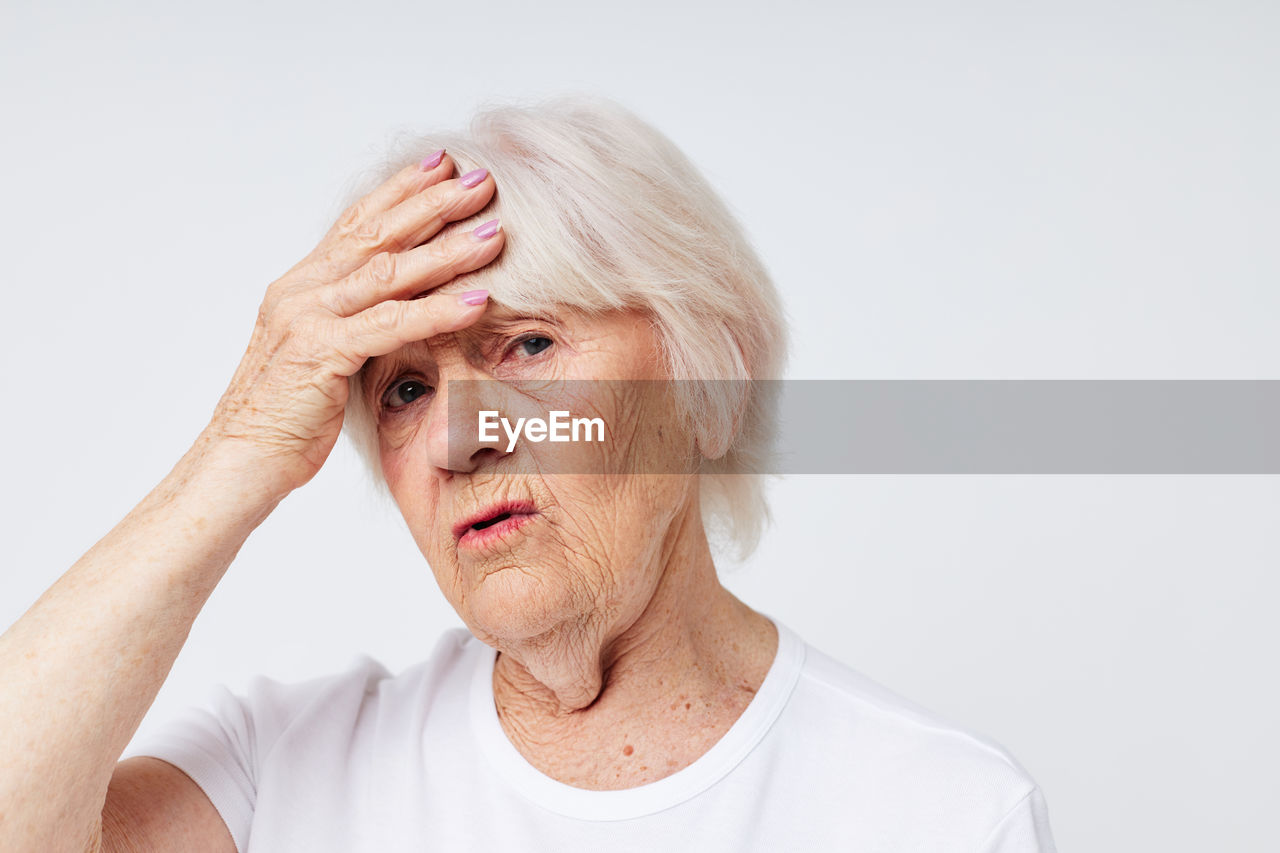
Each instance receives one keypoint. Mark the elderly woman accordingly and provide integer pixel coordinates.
(608, 693)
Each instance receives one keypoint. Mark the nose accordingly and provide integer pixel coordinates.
(454, 439)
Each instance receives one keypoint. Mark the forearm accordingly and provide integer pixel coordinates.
(80, 669)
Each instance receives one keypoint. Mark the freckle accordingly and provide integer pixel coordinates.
(687, 706)
(628, 749)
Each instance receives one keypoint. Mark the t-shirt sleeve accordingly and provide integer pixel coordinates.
(217, 747)
(225, 746)
(1025, 829)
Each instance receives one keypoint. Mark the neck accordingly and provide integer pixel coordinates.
(692, 639)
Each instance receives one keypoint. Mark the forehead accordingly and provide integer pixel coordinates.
(496, 318)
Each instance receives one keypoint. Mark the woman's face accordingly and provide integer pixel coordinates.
(529, 538)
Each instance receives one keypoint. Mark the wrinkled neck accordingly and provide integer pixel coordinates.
(593, 669)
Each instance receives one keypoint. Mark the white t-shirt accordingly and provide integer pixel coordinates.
(822, 759)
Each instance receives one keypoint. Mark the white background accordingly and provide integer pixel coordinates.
(980, 190)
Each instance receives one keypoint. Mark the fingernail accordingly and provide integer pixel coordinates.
(487, 230)
(475, 176)
(473, 297)
(432, 160)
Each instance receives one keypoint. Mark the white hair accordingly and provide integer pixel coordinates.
(601, 211)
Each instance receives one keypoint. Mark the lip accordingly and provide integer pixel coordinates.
(519, 513)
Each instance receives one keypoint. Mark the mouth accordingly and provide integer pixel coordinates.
(493, 523)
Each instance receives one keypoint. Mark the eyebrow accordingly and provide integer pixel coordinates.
(384, 367)
(494, 319)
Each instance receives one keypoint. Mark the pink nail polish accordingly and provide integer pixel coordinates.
(475, 176)
(487, 230)
(432, 160)
(473, 297)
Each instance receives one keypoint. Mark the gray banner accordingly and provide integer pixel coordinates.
(882, 426)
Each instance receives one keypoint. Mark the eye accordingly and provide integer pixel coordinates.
(403, 393)
(530, 346)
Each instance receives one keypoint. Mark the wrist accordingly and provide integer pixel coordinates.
(228, 473)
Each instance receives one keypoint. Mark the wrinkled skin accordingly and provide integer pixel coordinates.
(622, 659)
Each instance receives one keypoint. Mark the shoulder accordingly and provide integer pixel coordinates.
(281, 744)
(874, 710)
(870, 738)
(364, 680)
(271, 716)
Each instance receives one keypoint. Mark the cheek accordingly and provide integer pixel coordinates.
(615, 521)
(653, 439)
(641, 434)
(395, 435)
(395, 470)
(415, 492)
(402, 452)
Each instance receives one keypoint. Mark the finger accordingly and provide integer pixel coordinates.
(406, 274)
(408, 224)
(388, 326)
(330, 258)
(421, 216)
(412, 179)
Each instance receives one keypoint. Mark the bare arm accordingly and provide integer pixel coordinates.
(152, 805)
(82, 666)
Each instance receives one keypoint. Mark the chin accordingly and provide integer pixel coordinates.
(520, 603)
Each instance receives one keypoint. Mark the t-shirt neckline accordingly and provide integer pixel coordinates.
(683, 785)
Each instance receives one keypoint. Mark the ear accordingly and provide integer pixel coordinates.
(725, 403)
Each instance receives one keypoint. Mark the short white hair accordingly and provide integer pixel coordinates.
(601, 211)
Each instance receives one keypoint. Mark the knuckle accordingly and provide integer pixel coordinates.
(285, 307)
(434, 206)
(381, 269)
(349, 221)
(446, 252)
(275, 301)
(385, 318)
(369, 233)
(267, 309)
(288, 318)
